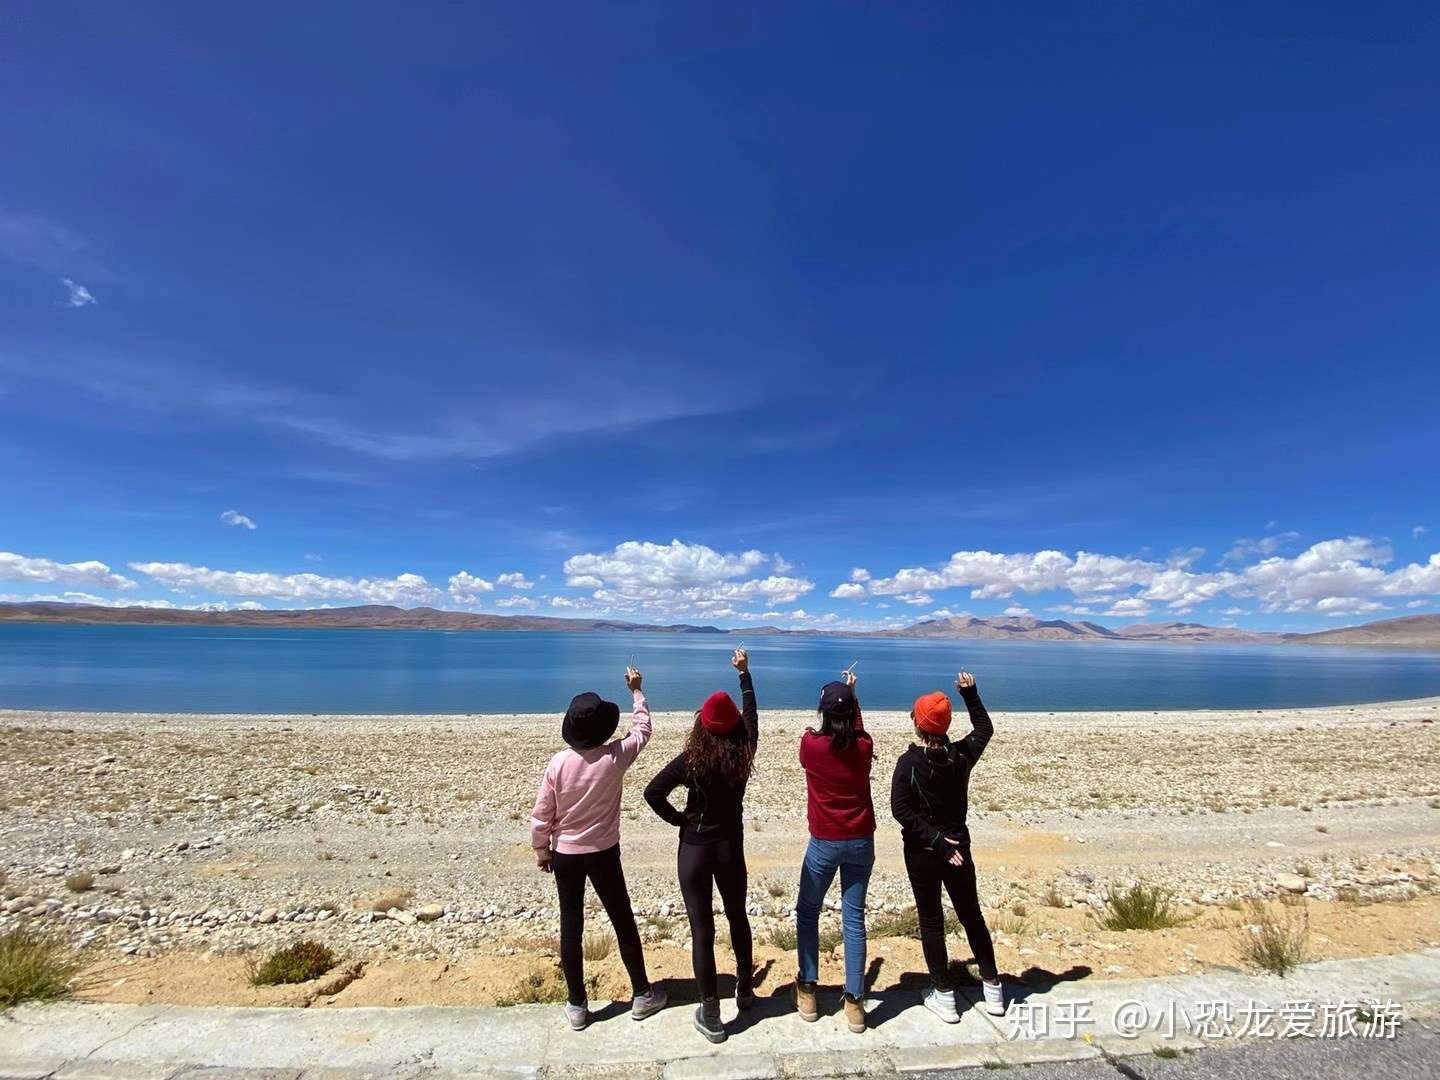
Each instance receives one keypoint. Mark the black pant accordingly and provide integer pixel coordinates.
(722, 863)
(605, 873)
(928, 872)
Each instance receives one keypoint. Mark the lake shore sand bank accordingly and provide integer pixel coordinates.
(176, 847)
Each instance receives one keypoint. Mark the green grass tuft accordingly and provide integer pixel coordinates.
(1273, 944)
(1141, 907)
(298, 963)
(34, 967)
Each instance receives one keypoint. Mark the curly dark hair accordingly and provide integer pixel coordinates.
(727, 757)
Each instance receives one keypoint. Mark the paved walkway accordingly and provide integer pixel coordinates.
(1070, 1021)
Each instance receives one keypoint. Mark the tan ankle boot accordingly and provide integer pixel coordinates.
(854, 1014)
(805, 1002)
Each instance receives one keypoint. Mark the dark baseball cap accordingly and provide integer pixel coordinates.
(838, 699)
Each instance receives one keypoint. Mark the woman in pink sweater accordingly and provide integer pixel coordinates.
(575, 831)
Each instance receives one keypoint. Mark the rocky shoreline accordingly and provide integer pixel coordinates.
(405, 837)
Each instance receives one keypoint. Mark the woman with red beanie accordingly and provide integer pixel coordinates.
(714, 768)
(928, 796)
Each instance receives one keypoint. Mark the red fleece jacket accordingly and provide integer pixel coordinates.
(838, 785)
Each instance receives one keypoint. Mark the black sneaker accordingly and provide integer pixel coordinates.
(707, 1020)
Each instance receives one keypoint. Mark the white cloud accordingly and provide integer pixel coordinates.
(1247, 548)
(1130, 607)
(1231, 611)
(1347, 605)
(1419, 603)
(674, 565)
(80, 598)
(919, 599)
(1419, 531)
(404, 590)
(1352, 567)
(859, 573)
(679, 578)
(1183, 558)
(239, 520)
(991, 575)
(76, 295)
(515, 580)
(465, 587)
(310, 556)
(780, 565)
(516, 602)
(90, 574)
(848, 591)
(1017, 610)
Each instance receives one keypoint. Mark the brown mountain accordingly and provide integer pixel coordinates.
(366, 617)
(1416, 631)
(1005, 628)
(1412, 631)
(1029, 628)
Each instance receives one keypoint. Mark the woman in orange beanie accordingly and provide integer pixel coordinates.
(928, 796)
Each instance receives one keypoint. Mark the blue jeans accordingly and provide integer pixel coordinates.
(854, 859)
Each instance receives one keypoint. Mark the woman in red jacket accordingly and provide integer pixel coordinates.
(837, 761)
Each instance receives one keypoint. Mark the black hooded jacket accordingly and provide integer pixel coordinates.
(930, 789)
(713, 806)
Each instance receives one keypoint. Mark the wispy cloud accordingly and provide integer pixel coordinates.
(515, 580)
(1247, 548)
(38, 242)
(237, 519)
(76, 295)
(1418, 531)
(419, 426)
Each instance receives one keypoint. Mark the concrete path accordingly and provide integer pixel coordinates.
(1097, 1021)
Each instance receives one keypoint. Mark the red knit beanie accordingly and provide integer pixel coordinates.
(932, 713)
(718, 715)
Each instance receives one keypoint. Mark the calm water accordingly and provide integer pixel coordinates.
(183, 669)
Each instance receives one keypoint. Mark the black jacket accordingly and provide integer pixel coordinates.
(713, 807)
(930, 789)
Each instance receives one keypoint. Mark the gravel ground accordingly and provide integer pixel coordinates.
(407, 836)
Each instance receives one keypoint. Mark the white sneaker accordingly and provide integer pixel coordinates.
(994, 998)
(942, 1004)
(578, 1016)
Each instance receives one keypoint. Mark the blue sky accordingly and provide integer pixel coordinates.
(808, 314)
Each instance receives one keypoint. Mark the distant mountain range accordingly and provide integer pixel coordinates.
(1416, 631)
(1412, 631)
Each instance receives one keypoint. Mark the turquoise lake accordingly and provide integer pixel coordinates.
(188, 669)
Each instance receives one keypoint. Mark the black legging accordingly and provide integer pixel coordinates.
(605, 873)
(722, 863)
(928, 872)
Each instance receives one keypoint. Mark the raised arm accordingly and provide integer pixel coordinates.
(748, 710)
(973, 745)
(849, 676)
(639, 733)
(657, 792)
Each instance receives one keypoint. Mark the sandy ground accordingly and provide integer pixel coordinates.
(212, 838)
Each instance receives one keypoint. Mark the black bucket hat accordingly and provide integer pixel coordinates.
(837, 699)
(589, 722)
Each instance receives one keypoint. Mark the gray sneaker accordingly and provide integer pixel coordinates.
(648, 1003)
(578, 1016)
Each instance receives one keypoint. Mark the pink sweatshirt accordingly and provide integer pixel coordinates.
(578, 807)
